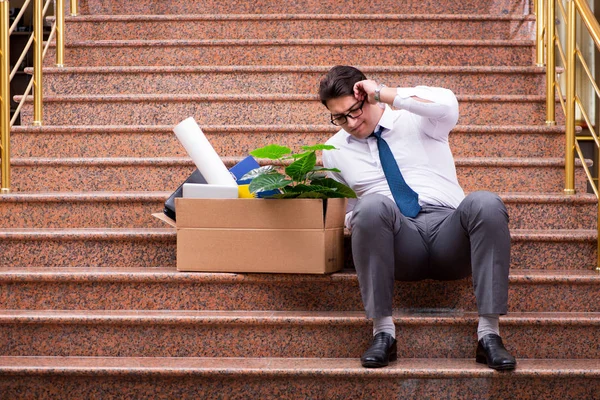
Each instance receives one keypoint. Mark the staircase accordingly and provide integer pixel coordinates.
(91, 305)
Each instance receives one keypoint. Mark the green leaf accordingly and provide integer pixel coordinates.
(319, 147)
(312, 195)
(308, 188)
(326, 169)
(271, 151)
(288, 195)
(299, 168)
(341, 189)
(267, 169)
(297, 156)
(268, 182)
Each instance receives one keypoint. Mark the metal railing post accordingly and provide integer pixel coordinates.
(539, 28)
(38, 38)
(74, 8)
(570, 100)
(4, 97)
(60, 33)
(550, 64)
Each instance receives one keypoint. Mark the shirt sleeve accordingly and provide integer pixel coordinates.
(436, 118)
(329, 163)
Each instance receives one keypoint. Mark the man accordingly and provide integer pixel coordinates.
(411, 220)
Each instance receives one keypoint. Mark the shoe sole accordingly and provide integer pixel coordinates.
(393, 357)
(504, 367)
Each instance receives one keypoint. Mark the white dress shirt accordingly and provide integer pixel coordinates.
(417, 133)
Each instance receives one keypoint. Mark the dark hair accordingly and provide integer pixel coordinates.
(339, 82)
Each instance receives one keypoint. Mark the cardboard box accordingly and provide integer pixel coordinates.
(259, 235)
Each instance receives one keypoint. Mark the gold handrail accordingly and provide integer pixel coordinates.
(545, 13)
(6, 75)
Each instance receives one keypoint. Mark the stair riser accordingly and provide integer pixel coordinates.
(127, 214)
(292, 54)
(236, 386)
(483, 83)
(297, 28)
(260, 112)
(283, 295)
(74, 214)
(299, 7)
(23, 253)
(109, 177)
(344, 340)
(241, 142)
(88, 253)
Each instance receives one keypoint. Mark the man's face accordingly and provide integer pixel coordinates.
(358, 116)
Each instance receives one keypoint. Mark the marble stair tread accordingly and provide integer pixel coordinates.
(522, 80)
(232, 160)
(114, 288)
(164, 109)
(296, 51)
(247, 366)
(145, 7)
(304, 317)
(422, 334)
(510, 26)
(115, 209)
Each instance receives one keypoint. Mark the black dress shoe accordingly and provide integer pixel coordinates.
(383, 350)
(491, 351)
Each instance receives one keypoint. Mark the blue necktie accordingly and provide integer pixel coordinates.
(406, 198)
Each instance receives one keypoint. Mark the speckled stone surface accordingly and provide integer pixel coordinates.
(22, 247)
(301, 26)
(525, 80)
(134, 209)
(239, 140)
(87, 247)
(297, 51)
(166, 174)
(87, 209)
(343, 334)
(243, 378)
(255, 109)
(166, 289)
(320, 7)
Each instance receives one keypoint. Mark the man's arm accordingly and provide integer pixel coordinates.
(437, 106)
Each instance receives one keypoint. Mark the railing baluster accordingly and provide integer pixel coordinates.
(60, 33)
(4, 97)
(570, 100)
(38, 38)
(550, 65)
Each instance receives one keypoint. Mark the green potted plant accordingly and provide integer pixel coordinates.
(303, 179)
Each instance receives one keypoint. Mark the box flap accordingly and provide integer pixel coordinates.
(252, 213)
(166, 219)
(335, 214)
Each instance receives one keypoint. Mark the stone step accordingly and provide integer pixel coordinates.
(341, 334)
(299, 26)
(167, 289)
(144, 7)
(560, 249)
(296, 52)
(284, 378)
(272, 79)
(167, 173)
(255, 109)
(238, 140)
(134, 209)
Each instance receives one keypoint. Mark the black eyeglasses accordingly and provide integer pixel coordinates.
(354, 112)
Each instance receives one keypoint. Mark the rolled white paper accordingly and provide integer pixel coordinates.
(202, 153)
(209, 191)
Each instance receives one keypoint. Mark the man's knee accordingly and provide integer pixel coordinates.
(373, 209)
(485, 206)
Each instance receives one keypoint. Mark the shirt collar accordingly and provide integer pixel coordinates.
(386, 122)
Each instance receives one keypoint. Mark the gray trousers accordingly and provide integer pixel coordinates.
(439, 243)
